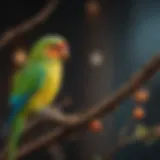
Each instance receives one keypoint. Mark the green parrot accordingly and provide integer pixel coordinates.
(36, 85)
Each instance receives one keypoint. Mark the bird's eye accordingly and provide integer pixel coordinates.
(61, 45)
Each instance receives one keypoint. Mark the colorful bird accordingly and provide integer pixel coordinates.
(36, 85)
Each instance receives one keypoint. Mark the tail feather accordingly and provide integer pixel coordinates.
(15, 134)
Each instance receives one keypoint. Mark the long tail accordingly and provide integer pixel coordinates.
(16, 131)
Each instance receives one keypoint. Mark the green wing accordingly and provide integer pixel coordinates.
(25, 83)
(28, 79)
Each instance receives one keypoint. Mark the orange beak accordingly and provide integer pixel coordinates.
(65, 54)
(64, 51)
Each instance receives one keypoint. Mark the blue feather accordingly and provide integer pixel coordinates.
(17, 103)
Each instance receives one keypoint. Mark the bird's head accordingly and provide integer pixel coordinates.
(52, 47)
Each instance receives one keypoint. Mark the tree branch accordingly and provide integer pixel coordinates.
(107, 106)
(58, 117)
(54, 114)
(26, 26)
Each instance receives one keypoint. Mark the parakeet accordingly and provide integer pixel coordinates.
(36, 85)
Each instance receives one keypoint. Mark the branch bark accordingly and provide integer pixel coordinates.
(26, 26)
(107, 106)
(55, 115)
(58, 117)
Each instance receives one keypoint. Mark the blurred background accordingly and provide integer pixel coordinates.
(110, 40)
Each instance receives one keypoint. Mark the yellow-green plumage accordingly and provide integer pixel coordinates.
(34, 87)
(51, 86)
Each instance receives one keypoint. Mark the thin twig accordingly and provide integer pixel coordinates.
(152, 134)
(109, 105)
(26, 26)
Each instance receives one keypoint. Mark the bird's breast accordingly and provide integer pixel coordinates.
(49, 89)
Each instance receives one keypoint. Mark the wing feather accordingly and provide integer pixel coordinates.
(25, 83)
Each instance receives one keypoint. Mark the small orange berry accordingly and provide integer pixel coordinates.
(96, 126)
(19, 57)
(92, 8)
(141, 96)
(138, 113)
